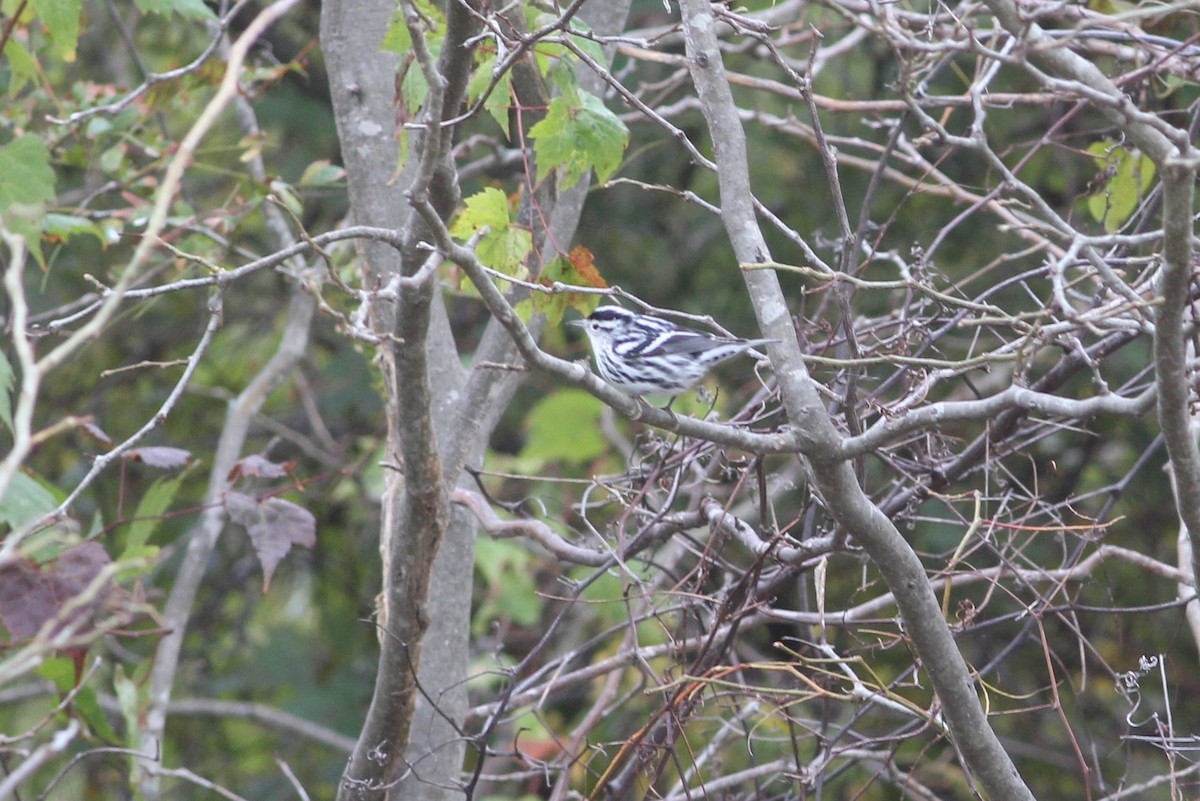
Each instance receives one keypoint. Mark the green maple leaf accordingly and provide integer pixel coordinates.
(1130, 175)
(189, 9)
(26, 185)
(25, 175)
(579, 133)
(61, 18)
(505, 246)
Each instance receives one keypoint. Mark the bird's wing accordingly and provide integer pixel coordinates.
(684, 342)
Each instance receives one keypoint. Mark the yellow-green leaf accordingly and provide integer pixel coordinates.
(1130, 174)
(576, 269)
(26, 183)
(505, 246)
(578, 134)
(65, 226)
(510, 592)
(565, 427)
(61, 18)
(191, 9)
(498, 103)
(6, 385)
(24, 67)
(148, 515)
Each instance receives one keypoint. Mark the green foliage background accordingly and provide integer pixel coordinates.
(307, 646)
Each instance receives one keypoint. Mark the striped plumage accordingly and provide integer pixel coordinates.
(644, 355)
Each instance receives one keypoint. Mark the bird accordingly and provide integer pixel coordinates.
(640, 354)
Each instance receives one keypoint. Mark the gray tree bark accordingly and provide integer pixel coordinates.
(412, 744)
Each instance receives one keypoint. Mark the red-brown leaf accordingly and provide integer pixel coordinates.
(162, 457)
(255, 466)
(274, 526)
(32, 594)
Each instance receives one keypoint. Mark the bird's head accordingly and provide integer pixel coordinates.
(606, 322)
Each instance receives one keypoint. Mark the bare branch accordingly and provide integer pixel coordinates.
(982, 751)
(1170, 351)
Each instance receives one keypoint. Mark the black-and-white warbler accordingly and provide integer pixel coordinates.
(644, 355)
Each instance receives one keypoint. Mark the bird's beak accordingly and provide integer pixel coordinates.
(577, 323)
